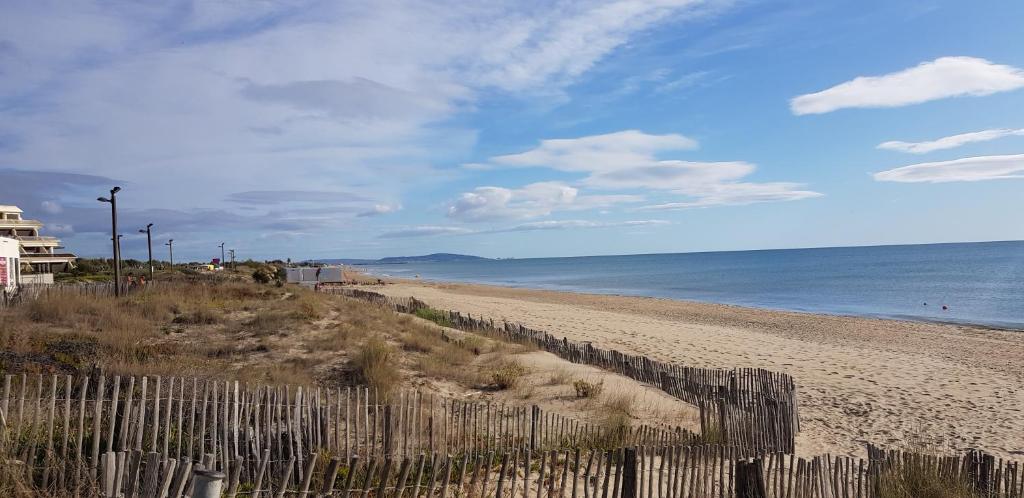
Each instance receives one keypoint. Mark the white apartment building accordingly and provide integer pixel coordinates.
(38, 255)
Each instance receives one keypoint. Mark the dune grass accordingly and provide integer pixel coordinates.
(374, 364)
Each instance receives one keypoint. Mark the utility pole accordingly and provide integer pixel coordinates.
(221, 254)
(114, 237)
(170, 248)
(149, 244)
(232, 253)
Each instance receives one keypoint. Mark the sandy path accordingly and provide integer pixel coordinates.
(895, 383)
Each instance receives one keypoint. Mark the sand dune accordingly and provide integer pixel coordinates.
(894, 383)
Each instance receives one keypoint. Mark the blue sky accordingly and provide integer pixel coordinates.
(318, 129)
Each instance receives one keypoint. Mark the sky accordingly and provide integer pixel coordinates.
(336, 129)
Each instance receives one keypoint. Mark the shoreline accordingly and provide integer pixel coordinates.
(898, 383)
(993, 326)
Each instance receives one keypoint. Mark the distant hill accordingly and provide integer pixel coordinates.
(441, 257)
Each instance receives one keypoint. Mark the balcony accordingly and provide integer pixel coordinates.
(38, 241)
(21, 223)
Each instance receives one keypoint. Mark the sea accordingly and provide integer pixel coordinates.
(971, 283)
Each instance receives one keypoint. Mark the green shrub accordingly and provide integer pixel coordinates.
(436, 316)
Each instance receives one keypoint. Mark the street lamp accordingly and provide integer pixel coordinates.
(113, 228)
(170, 247)
(149, 244)
(232, 253)
(221, 254)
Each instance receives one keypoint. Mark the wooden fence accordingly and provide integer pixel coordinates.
(674, 471)
(30, 292)
(753, 409)
(53, 423)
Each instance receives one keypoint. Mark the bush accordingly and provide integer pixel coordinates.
(263, 275)
(586, 389)
(436, 316)
(507, 374)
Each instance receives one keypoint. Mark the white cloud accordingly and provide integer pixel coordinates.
(629, 160)
(51, 207)
(530, 201)
(379, 209)
(942, 78)
(950, 142)
(968, 169)
(609, 152)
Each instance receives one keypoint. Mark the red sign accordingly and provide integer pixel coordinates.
(215, 261)
(3, 272)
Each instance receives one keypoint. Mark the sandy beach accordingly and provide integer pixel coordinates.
(898, 384)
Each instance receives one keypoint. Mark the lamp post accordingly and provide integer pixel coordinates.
(170, 248)
(222, 255)
(232, 253)
(149, 244)
(113, 229)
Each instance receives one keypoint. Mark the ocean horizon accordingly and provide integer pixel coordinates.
(974, 283)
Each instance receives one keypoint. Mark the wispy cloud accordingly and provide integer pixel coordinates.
(942, 78)
(597, 153)
(629, 160)
(738, 194)
(548, 225)
(530, 201)
(276, 96)
(424, 231)
(950, 142)
(264, 197)
(571, 224)
(968, 169)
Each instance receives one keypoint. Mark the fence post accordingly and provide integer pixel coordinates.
(628, 473)
(388, 435)
(749, 479)
(108, 469)
(534, 415)
(207, 483)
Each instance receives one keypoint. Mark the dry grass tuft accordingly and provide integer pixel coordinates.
(267, 322)
(200, 314)
(507, 374)
(620, 402)
(585, 389)
(374, 364)
(559, 376)
(306, 306)
(915, 481)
